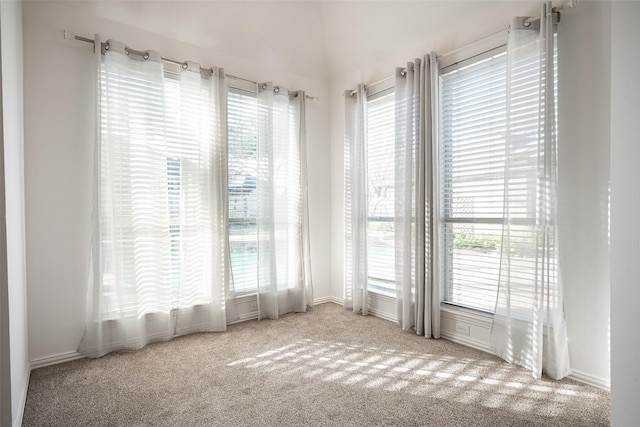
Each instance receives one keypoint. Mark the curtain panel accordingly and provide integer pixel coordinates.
(158, 260)
(409, 195)
(284, 267)
(414, 179)
(355, 201)
(417, 287)
(413, 215)
(529, 328)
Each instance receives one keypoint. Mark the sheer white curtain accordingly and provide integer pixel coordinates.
(158, 261)
(409, 183)
(418, 302)
(529, 327)
(284, 274)
(355, 201)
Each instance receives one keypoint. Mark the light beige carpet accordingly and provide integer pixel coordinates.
(325, 367)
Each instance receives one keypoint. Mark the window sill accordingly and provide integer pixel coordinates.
(480, 315)
(381, 292)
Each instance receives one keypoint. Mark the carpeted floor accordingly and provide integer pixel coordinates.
(327, 367)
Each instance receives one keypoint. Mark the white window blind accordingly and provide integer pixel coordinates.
(242, 110)
(473, 127)
(380, 189)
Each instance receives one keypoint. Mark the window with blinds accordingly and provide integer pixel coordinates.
(242, 114)
(380, 189)
(472, 163)
(157, 136)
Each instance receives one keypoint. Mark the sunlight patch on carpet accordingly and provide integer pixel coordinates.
(492, 384)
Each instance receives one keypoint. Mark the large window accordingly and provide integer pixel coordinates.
(380, 189)
(472, 156)
(242, 110)
(156, 251)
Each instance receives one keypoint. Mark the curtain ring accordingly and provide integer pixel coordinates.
(276, 89)
(145, 56)
(403, 72)
(106, 46)
(264, 86)
(185, 66)
(126, 50)
(526, 23)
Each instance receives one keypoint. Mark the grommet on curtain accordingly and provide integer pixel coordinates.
(264, 86)
(185, 66)
(276, 89)
(403, 72)
(526, 23)
(106, 46)
(211, 71)
(145, 56)
(126, 50)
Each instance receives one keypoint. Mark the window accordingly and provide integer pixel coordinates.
(242, 113)
(472, 163)
(380, 188)
(159, 133)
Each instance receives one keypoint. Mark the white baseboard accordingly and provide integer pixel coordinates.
(591, 380)
(243, 317)
(253, 315)
(323, 300)
(382, 315)
(17, 419)
(55, 359)
(466, 341)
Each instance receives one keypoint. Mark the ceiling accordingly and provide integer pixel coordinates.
(308, 37)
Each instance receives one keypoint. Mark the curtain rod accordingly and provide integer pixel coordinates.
(382, 80)
(565, 6)
(472, 44)
(69, 35)
(569, 4)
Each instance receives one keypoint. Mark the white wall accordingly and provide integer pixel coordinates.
(584, 170)
(584, 128)
(625, 211)
(13, 146)
(59, 105)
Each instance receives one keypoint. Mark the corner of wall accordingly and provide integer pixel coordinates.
(11, 47)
